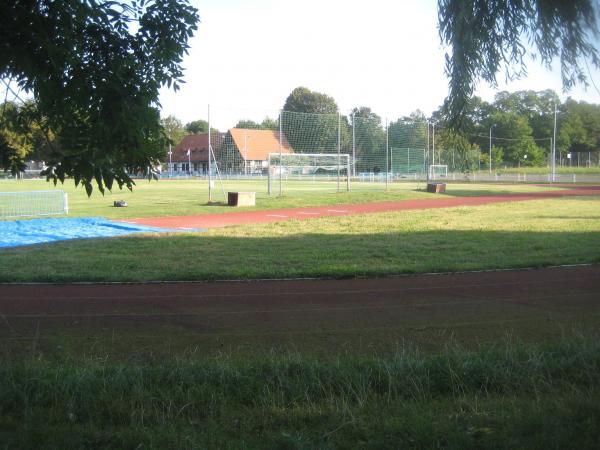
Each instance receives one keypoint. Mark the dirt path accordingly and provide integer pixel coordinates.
(278, 215)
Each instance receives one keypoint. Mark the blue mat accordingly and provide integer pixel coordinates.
(38, 231)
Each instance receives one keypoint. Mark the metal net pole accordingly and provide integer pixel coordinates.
(209, 163)
(280, 153)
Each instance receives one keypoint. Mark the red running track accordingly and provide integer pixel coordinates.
(278, 215)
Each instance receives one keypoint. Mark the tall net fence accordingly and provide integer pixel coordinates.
(408, 162)
(281, 152)
(368, 141)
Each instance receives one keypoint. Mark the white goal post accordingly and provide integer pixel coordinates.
(33, 203)
(437, 171)
(309, 167)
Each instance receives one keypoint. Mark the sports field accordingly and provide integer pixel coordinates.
(189, 197)
(381, 358)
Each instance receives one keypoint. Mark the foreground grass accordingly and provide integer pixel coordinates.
(504, 396)
(504, 235)
(190, 197)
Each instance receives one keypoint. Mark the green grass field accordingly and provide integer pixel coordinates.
(189, 197)
(527, 384)
(545, 232)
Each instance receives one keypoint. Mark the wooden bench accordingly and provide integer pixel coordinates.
(241, 198)
(437, 188)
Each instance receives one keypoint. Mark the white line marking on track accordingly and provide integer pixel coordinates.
(275, 215)
(337, 210)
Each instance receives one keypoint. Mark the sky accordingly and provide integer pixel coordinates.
(248, 56)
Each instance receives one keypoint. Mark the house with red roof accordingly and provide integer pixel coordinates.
(246, 151)
(190, 156)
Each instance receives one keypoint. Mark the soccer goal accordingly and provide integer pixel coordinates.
(438, 171)
(33, 203)
(318, 169)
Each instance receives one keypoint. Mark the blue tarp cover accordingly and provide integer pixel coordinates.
(37, 231)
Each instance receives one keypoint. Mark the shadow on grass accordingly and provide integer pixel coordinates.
(450, 192)
(377, 253)
(569, 217)
(510, 190)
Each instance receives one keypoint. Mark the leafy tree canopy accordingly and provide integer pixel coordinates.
(364, 112)
(517, 139)
(197, 127)
(266, 124)
(306, 101)
(466, 153)
(173, 129)
(269, 124)
(248, 124)
(579, 129)
(487, 36)
(95, 69)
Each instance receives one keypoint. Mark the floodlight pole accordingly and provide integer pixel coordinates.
(209, 163)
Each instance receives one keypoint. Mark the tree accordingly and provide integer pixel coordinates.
(173, 129)
(266, 124)
(408, 131)
(310, 121)
(249, 125)
(465, 154)
(303, 100)
(486, 36)
(197, 126)
(369, 138)
(536, 107)
(579, 129)
(270, 124)
(15, 139)
(21, 137)
(95, 70)
(517, 140)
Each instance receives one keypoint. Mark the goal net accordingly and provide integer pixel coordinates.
(309, 167)
(33, 203)
(438, 171)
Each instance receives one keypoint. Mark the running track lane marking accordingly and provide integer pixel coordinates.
(276, 215)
